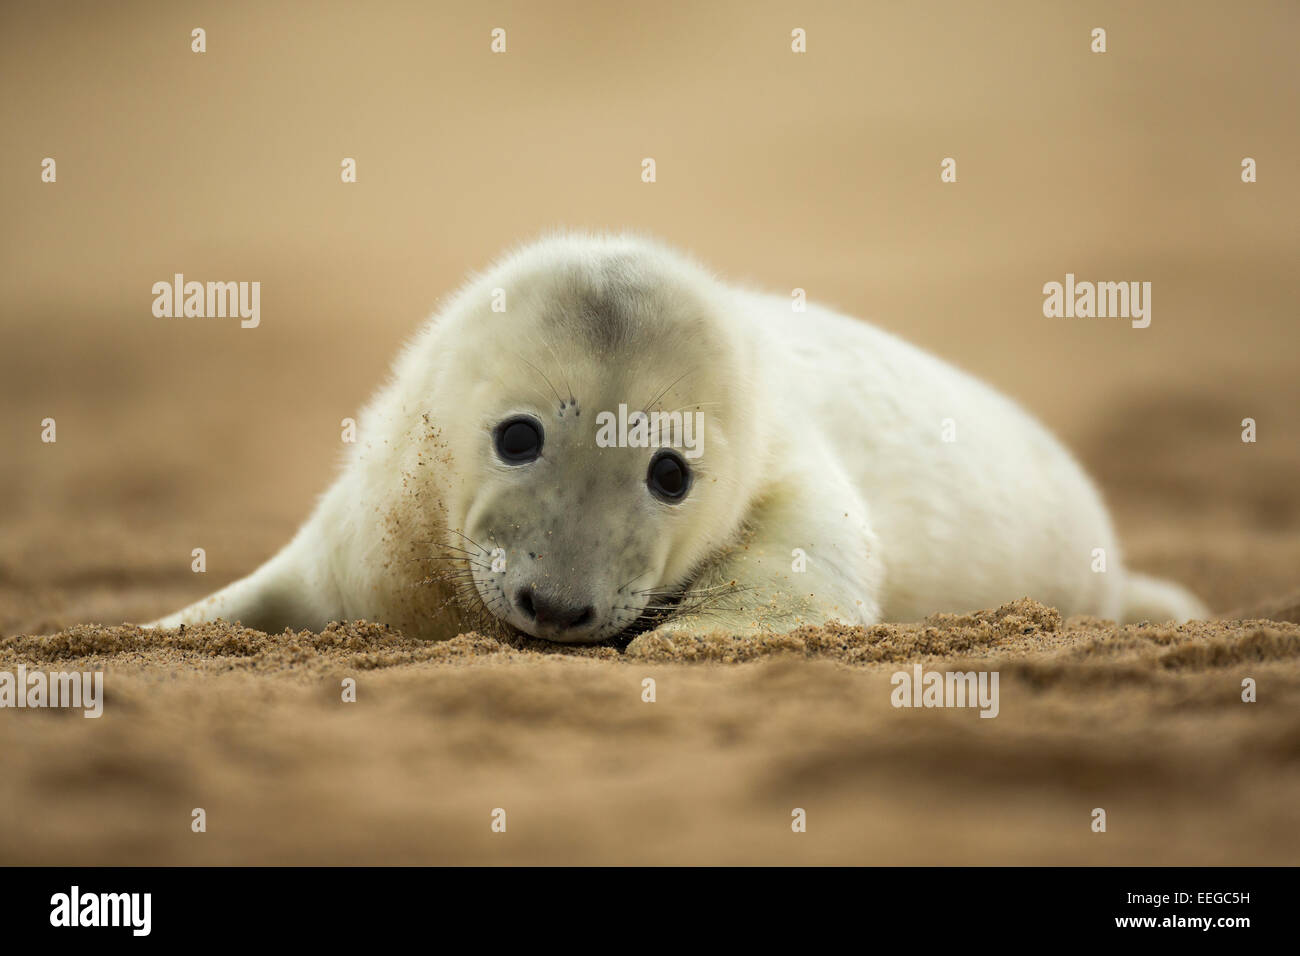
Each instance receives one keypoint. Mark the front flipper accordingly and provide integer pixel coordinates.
(809, 557)
(289, 590)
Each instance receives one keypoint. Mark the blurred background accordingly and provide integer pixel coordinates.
(820, 171)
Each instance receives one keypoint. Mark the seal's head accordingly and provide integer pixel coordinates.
(604, 451)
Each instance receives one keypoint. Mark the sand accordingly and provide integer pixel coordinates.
(1145, 721)
(818, 172)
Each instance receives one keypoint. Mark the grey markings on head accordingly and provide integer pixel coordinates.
(606, 303)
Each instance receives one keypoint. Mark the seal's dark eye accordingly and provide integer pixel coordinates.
(519, 440)
(669, 477)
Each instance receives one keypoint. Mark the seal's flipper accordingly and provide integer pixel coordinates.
(1152, 599)
(281, 593)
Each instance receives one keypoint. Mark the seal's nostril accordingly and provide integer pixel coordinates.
(525, 601)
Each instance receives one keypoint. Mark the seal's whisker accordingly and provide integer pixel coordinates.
(690, 405)
(473, 569)
(444, 578)
(641, 575)
(541, 373)
(452, 561)
(482, 549)
(452, 547)
(475, 612)
(651, 404)
(469, 565)
(717, 587)
(462, 552)
(666, 603)
(560, 365)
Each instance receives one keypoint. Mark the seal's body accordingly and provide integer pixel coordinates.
(833, 472)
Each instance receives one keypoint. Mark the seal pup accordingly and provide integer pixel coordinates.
(523, 467)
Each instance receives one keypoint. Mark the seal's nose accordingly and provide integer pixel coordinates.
(550, 611)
